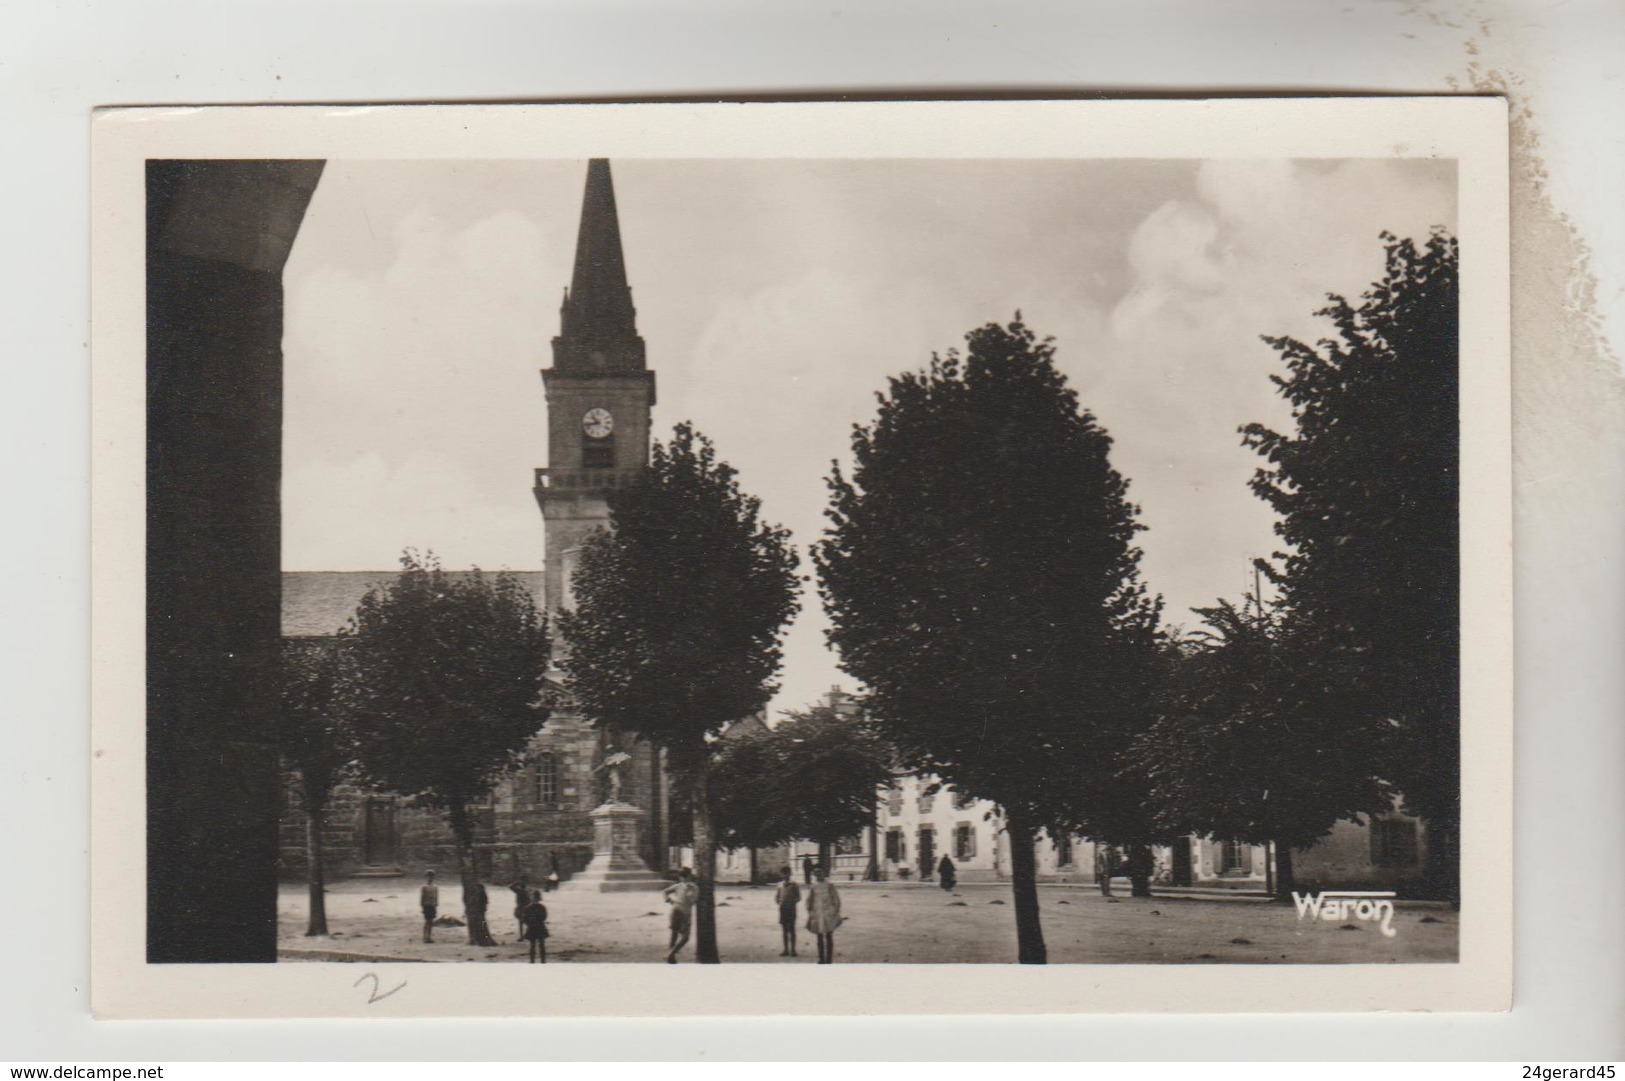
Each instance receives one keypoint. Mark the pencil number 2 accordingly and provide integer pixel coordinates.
(376, 995)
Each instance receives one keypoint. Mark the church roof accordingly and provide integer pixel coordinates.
(320, 603)
(600, 301)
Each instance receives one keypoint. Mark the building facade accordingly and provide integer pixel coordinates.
(920, 819)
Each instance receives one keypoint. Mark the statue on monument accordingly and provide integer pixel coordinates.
(611, 767)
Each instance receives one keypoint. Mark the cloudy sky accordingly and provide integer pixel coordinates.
(775, 297)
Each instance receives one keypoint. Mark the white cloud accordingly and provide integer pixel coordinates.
(1254, 252)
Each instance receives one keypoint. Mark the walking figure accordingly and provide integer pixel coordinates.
(787, 897)
(533, 917)
(1108, 865)
(946, 873)
(429, 900)
(681, 895)
(823, 914)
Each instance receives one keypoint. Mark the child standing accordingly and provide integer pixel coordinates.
(429, 901)
(787, 897)
(534, 918)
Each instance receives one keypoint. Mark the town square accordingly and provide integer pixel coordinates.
(894, 577)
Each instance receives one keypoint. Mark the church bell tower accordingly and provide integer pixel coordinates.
(599, 391)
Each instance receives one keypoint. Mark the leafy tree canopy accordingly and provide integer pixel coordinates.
(450, 678)
(1367, 489)
(981, 575)
(314, 729)
(681, 605)
(1241, 752)
(813, 777)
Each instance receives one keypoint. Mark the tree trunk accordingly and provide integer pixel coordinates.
(1024, 887)
(705, 867)
(826, 858)
(315, 868)
(657, 822)
(1140, 864)
(1285, 882)
(755, 876)
(476, 901)
(871, 873)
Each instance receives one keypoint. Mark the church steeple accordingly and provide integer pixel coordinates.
(599, 391)
(598, 324)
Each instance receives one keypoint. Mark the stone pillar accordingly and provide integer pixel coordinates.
(218, 233)
(617, 840)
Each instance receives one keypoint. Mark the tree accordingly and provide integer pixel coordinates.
(813, 777)
(833, 764)
(746, 808)
(316, 741)
(1367, 490)
(680, 609)
(1109, 801)
(1242, 752)
(450, 677)
(981, 577)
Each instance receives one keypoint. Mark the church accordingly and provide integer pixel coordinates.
(550, 814)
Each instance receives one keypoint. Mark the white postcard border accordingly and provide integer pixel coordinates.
(1473, 131)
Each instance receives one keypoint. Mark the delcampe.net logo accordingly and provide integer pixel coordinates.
(1371, 906)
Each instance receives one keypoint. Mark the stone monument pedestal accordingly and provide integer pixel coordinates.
(617, 833)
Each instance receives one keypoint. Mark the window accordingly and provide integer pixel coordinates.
(896, 847)
(1063, 850)
(1235, 856)
(894, 801)
(964, 841)
(598, 454)
(547, 780)
(1393, 842)
(849, 846)
(926, 800)
(962, 802)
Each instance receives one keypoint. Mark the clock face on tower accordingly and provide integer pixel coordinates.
(598, 424)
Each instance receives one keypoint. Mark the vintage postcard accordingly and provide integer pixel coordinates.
(1021, 557)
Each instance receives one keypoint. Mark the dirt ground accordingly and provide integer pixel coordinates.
(888, 923)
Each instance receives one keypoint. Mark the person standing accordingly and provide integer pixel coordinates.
(787, 897)
(823, 913)
(681, 895)
(1105, 868)
(429, 901)
(533, 917)
(946, 873)
(521, 899)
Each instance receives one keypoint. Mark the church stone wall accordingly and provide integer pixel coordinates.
(517, 833)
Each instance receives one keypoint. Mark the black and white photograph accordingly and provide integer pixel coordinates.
(1059, 540)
